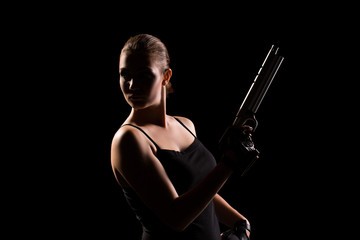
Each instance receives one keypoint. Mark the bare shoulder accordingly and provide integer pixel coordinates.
(126, 139)
(187, 122)
(124, 135)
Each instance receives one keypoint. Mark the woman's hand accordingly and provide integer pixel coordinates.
(241, 231)
(239, 152)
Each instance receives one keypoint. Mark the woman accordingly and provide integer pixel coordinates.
(170, 180)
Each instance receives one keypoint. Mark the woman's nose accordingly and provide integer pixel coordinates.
(131, 83)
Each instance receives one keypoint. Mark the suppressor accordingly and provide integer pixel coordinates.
(259, 89)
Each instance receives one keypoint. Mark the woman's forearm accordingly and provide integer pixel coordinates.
(226, 214)
(189, 205)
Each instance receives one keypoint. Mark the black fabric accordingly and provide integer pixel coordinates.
(185, 169)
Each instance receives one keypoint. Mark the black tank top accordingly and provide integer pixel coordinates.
(185, 169)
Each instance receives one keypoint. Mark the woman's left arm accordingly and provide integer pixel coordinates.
(226, 214)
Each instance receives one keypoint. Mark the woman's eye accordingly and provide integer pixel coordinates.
(124, 75)
(146, 75)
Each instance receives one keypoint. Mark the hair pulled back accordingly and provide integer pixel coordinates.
(148, 44)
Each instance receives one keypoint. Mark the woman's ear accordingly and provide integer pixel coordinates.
(167, 76)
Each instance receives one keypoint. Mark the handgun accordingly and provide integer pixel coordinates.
(255, 95)
(258, 89)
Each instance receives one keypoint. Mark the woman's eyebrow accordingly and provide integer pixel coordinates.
(142, 69)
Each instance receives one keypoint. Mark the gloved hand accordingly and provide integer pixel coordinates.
(238, 149)
(241, 231)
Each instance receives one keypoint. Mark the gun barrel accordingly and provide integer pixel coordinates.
(259, 87)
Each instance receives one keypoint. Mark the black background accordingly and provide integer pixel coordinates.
(68, 105)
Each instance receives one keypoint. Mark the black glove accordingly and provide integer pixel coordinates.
(238, 149)
(238, 232)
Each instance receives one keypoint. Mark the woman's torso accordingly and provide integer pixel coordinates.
(186, 165)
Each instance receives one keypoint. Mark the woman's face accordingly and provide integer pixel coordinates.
(140, 79)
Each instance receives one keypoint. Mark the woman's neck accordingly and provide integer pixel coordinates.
(151, 115)
(155, 114)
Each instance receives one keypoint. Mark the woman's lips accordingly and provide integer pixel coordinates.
(135, 96)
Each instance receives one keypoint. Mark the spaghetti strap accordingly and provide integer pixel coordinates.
(128, 124)
(185, 127)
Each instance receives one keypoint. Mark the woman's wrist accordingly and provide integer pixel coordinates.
(242, 225)
(226, 166)
(229, 160)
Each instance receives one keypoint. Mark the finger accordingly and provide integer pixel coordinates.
(246, 129)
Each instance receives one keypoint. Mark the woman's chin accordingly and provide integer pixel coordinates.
(138, 104)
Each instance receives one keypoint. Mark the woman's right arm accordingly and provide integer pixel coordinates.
(133, 158)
